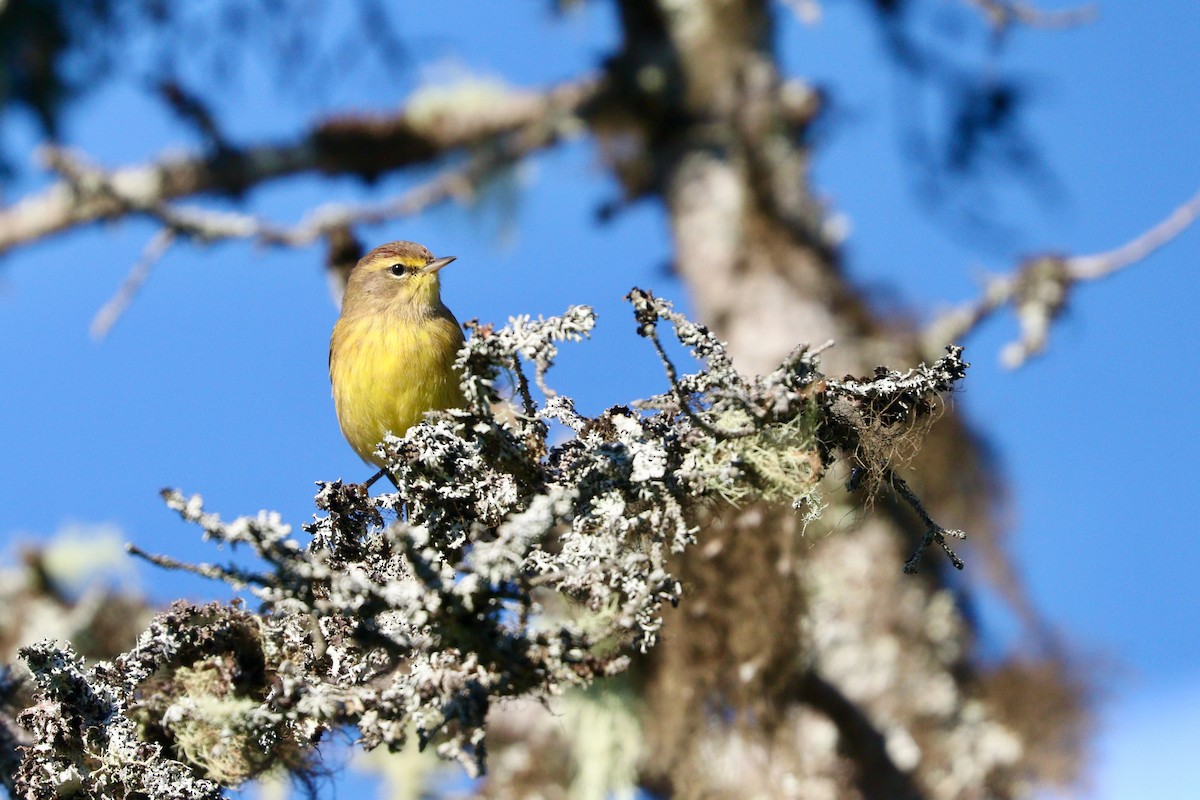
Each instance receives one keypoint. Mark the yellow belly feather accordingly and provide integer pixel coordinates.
(387, 375)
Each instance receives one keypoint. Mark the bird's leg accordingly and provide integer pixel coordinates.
(391, 478)
(371, 481)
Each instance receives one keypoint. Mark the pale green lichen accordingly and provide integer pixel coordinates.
(465, 96)
(602, 725)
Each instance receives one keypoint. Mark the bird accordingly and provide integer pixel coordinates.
(392, 352)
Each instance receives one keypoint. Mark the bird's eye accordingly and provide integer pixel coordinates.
(399, 270)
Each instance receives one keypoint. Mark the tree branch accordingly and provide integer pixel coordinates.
(1103, 264)
(112, 311)
(877, 774)
(432, 125)
(1040, 287)
(1003, 14)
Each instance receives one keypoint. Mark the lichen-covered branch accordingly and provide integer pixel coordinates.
(875, 410)
(507, 564)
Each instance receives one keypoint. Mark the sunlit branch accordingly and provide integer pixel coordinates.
(364, 146)
(325, 222)
(1040, 287)
(1100, 265)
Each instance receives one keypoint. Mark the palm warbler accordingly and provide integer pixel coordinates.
(391, 357)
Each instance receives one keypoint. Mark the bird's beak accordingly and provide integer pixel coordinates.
(436, 264)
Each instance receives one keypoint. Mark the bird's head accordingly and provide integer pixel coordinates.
(402, 275)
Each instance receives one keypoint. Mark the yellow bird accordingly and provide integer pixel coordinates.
(391, 357)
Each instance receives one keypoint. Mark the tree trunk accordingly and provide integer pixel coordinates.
(803, 663)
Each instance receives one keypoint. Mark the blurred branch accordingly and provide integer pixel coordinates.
(1003, 15)
(1133, 251)
(191, 110)
(113, 194)
(431, 126)
(877, 773)
(108, 316)
(333, 221)
(1039, 289)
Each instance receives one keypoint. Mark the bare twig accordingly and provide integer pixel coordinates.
(1087, 268)
(1039, 289)
(108, 316)
(211, 224)
(192, 110)
(1003, 15)
(933, 531)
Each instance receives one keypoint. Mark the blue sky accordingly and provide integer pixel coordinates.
(215, 379)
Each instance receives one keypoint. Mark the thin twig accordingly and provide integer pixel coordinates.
(211, 225)
(650, 331)
(112, 311)
(236, 578)
(192, 110)
(933, 531)
(530, 407)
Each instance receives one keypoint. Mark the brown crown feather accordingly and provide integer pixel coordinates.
(406, 252)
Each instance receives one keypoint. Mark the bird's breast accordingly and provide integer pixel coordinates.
(388, 372)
